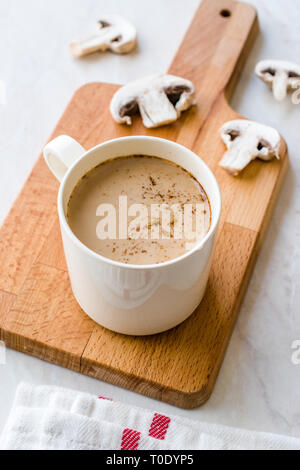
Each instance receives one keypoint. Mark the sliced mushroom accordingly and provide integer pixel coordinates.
(160, 99)
(247, 140)
(280, 75)
(113, 33)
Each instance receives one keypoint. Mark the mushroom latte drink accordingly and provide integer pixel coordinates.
(139, 209)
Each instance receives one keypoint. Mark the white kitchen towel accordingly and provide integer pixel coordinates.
(48, 417)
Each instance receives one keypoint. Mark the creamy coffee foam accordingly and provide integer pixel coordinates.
(103, 212)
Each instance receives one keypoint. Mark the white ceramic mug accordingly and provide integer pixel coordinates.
(126, 298)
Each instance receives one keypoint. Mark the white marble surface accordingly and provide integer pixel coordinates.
(258, 386)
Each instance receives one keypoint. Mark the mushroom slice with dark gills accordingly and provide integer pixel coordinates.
(282, 76)
(112, 32)
(246, 141)
(160, 99)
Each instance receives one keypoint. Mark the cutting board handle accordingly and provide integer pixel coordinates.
(215, 47)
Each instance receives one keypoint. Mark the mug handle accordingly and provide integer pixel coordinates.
(61, 153)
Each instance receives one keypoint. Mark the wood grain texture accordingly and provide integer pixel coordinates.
(6, 302)
(38, 313)
(45, 321)
(52, 252)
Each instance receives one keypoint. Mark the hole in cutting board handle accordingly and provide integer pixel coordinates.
(225, 13)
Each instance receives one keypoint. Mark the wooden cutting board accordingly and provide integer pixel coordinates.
(38, 314)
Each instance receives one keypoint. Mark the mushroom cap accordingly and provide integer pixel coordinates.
(266, 70)
(247, 140)
(125, 37)
(253, 130)
(126, 100)
(112, 32)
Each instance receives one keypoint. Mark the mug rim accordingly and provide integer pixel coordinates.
(199, 245)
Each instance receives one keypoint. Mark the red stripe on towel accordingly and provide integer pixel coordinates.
(130, 439)
(159, 426)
